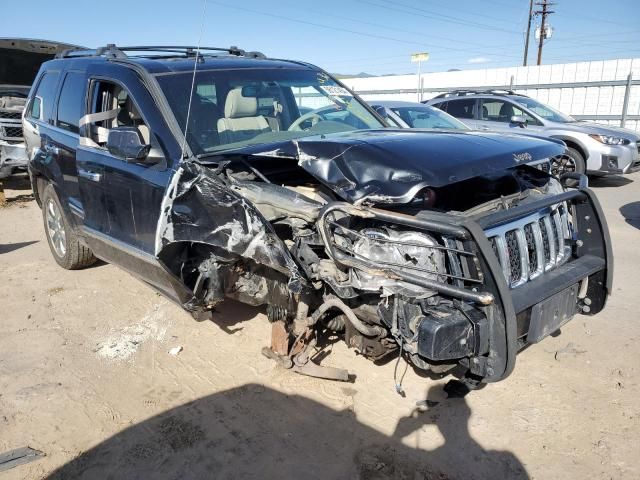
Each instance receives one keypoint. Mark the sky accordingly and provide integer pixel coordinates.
(343, 36)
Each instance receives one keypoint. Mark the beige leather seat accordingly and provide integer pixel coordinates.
(241, 120)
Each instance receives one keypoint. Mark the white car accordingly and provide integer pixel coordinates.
(20, 59)
(592, 148)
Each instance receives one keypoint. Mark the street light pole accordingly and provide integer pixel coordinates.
(419, 58)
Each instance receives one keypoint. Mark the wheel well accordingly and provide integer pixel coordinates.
(571, 144)
(38, 186)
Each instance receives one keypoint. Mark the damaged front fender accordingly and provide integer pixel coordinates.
(207, 233)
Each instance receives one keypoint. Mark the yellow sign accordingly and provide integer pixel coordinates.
(419, 57)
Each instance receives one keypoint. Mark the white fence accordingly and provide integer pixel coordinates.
(593, 90)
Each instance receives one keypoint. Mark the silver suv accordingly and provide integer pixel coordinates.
(591, 147)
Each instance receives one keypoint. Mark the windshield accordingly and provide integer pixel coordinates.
(543, 110)
(239, 107)
(423, 116)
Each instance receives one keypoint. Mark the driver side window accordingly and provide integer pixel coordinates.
(111, 106)
(502, 111)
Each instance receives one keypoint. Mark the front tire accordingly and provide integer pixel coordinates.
(65, 247)
(569, 162)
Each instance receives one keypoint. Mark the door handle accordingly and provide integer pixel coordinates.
(89, 175)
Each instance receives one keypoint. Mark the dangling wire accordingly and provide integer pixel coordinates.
(193, 77)
(398, 384)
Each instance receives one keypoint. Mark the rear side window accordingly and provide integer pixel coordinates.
(71, 101)
(461, 108)
(42, 104)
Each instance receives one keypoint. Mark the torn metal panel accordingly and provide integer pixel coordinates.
(199, 208)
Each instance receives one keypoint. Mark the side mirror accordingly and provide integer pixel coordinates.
(127, 143)
(519, 120)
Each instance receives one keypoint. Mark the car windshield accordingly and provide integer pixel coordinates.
(235, 108)
(543, 110)
(423, 116)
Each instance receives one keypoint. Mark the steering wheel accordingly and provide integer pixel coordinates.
(313, 115)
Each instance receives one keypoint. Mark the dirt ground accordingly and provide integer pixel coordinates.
(87, 378)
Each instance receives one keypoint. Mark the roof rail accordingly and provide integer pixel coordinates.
(463, 92)
(113, 51)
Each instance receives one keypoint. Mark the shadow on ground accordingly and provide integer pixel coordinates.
(255, 432)
(10, 247)
(609, 181)
(631, 213)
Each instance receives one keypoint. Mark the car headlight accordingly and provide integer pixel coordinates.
(408, 251)
(610, 140)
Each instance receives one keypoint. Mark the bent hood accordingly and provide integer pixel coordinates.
(392, 166)
(20, 60)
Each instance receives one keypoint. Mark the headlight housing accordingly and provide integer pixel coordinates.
(403, 250)
(610, 140)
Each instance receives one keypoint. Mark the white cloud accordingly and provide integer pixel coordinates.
(479, 60)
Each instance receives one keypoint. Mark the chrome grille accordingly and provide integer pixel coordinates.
(10, 114)
(11, 132)
(530, 246)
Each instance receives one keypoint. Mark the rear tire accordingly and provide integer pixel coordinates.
(65, 247)
(569, 162)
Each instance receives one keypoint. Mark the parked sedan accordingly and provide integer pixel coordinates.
(415, 115)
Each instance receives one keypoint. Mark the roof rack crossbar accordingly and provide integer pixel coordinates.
(113, 51)
(461, 92)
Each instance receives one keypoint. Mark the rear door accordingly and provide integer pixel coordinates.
(64, 139)
(464, 109)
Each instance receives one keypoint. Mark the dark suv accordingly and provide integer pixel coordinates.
(219, 173)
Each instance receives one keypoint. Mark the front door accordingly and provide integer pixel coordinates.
(122, 200)
(496, 114)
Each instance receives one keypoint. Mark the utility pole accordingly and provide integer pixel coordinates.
(543, 25)
(526, 42)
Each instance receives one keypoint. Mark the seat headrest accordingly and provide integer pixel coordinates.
(237, 106)
(506, 110)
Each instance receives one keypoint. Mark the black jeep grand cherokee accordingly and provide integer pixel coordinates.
(219, 173)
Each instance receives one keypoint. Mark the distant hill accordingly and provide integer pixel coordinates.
(355, 75)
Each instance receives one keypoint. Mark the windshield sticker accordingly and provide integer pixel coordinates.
(322, 77)
(336, 91)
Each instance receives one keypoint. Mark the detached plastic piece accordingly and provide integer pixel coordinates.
(452, 334)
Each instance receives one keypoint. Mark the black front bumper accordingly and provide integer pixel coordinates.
(508, 311)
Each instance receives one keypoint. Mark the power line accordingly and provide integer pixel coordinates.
(341, 29)
(320, 25)
(360, 21)
(414, 11)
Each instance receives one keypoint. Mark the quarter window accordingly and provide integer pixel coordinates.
(42, 103)
(70, 102)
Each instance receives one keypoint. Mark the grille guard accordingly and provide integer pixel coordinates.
(593, 256)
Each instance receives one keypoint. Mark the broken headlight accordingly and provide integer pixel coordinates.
(403, 251)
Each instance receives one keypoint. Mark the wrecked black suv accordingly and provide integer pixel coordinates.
(219, 173)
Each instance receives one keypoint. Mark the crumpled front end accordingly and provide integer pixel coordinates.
(474, 303)
(465, 274)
